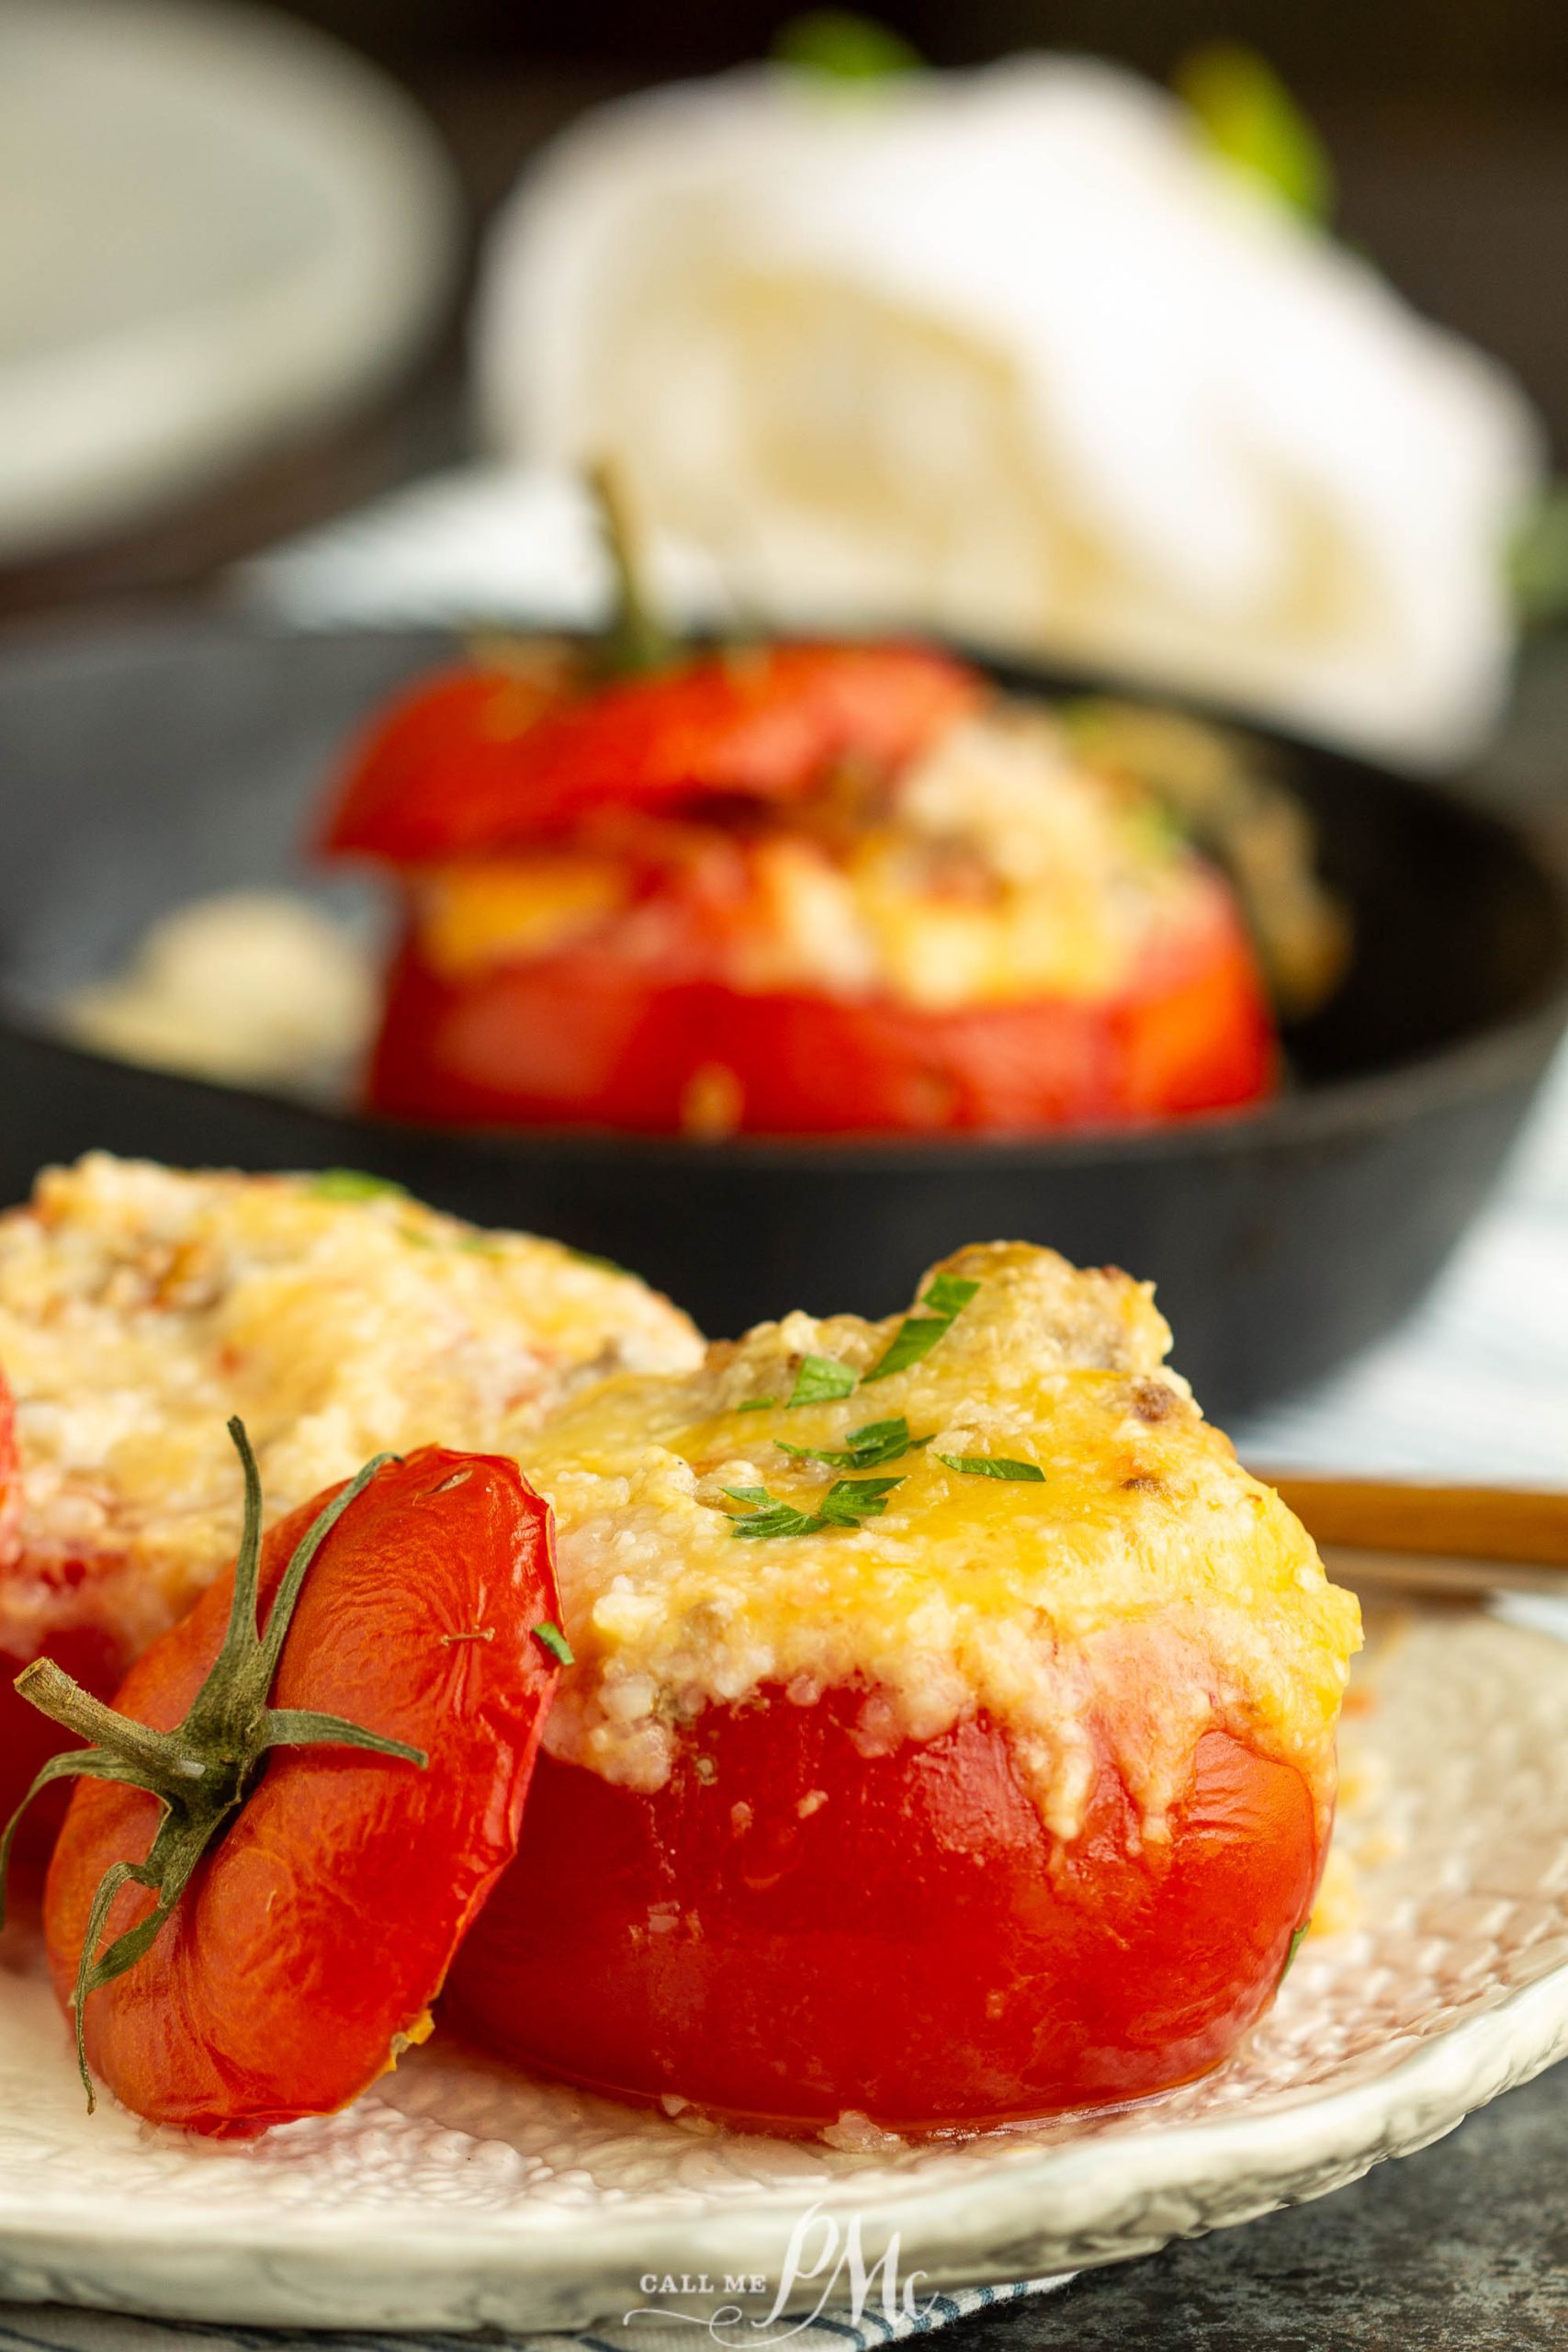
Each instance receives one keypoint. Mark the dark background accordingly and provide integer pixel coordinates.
(1393, 46)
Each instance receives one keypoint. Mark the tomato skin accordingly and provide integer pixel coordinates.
(799, 1929)
(588, 1037)
(481, 761)
(322, 1925)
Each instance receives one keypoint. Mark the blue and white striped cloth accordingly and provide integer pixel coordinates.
(1475, 1385)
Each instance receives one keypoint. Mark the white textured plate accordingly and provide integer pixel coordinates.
(219, 227)
(459, 2194)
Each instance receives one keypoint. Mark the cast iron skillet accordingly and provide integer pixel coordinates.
(143, 767)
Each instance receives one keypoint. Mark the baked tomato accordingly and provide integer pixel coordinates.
(283, 1834)
(594, 1036)
(993, 1783)
(483, 761)
(791, 1930)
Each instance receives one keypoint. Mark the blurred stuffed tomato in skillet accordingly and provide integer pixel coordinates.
(818, 889)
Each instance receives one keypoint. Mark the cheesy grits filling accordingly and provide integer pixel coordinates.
(1031, 1519)
(141, 1307)
(1000, 867)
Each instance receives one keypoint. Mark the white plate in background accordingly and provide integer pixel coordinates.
(219, 228)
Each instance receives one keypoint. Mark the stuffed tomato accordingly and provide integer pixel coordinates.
(951, 1736)
(811, 890)
(140, 1303)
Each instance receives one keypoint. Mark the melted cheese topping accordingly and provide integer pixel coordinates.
(139, 1307)
(1146, 1589)
(1002, 867)
(472, 916)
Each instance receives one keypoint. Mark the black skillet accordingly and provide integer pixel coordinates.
(143, 767)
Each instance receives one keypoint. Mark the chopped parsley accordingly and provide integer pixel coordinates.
(1295, 1946)
(757, 1405)
(552, 1638)
(591, 1258)
(819, 1380)
(845, 1504)
(864, 1448)
(993, 1465)
(918, 1333)
(356, 1184)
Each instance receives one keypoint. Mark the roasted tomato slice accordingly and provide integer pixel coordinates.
(484, 761)
(791, 1928)
(318, 1927)
(594, 1037)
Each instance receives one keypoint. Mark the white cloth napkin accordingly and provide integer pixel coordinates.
(1009, 353)
(1475, 1385)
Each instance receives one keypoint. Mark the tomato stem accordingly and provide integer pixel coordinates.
(55, 1693)
(636, 641)
(201, 1772)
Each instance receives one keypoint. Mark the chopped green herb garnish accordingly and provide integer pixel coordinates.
(862, 1449)
(591, 1258)
(993, 1465)
(757, 1405)
(918, 1333)
(1295, 1946)
(819, 1380)
(845, 1504)
(552, 1638)
(947, 1294)
(849, 1500)
(769, 1515)
(354, 1185)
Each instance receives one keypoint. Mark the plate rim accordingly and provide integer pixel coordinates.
(1227, 2169)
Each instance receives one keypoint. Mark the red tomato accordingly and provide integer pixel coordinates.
(319, 1929)
(594, 1037)
(796, 1929)
(483, 761)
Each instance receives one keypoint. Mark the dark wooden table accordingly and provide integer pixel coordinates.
(1462, 2248)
